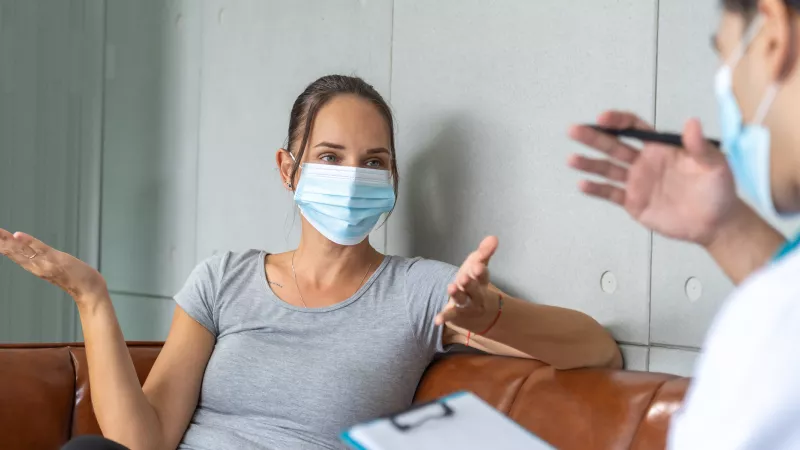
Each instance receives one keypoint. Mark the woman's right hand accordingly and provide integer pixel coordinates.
(683, 193)
(78, 279)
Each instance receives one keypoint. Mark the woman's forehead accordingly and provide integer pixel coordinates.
(351, 121)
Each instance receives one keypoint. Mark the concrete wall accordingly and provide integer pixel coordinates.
(197, 97)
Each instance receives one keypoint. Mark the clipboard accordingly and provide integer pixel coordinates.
(461, 420)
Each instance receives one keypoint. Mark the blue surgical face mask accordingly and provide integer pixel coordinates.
(747, 146)
(344, 203)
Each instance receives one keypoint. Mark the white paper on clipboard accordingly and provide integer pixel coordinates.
(461, 421)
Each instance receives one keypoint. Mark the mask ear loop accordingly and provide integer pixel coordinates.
(774, 88)
(385, 216)
(750, 33)
(769, 97)
(766, 103)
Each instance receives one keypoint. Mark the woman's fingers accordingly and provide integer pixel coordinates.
(604, 143)
(602, 190)
(602, 167)
(448, 314)
(469, 285)
(38, 246)
(458, 295)
(479, 272)
(486, 249)
(15, 249)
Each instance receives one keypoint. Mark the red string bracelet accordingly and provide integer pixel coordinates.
(496, 318)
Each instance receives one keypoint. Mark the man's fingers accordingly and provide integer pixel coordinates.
(602, 167)
(622, 119)
(605, 191)
(696, 144)
(604, 143)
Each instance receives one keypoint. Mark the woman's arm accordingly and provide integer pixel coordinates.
(173, 386)
(151, 419)
(561, 337)
(154, 416)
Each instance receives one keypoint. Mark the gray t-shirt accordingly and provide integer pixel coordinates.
(283, 377)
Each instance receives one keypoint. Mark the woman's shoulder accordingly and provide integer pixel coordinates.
(224, 263)
(420, 267)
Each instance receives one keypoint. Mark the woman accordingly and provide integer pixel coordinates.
(287, 350)
(745, 393)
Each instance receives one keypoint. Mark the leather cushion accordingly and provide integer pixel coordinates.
(85, 421)
(35, 398)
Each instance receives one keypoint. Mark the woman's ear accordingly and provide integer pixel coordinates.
(780, 28)
(285, 164)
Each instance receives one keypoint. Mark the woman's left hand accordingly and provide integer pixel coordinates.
(473, 304)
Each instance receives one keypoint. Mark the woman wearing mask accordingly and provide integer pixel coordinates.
(745, 393)
(287, 350)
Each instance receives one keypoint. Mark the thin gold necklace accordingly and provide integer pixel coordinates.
(294, 275)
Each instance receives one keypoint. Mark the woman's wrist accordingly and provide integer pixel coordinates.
(491, 308)
(90, 302)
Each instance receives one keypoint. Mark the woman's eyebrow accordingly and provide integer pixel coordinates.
(330, 145)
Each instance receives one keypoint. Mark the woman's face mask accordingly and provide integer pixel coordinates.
(344, 203)
(747, 146)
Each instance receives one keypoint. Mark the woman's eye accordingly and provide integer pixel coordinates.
(374, 163)
(328, 158)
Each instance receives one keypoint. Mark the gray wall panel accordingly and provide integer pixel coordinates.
(152, 104)
(143, 318)
(635, 357)
(258, 56)
(484, 94)
(46, 50)
(686, 68)
(675, 361)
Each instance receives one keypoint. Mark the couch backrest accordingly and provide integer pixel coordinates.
(44, 393)
(45, 397)
(577, 409)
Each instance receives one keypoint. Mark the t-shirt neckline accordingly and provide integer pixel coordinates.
(262, 261)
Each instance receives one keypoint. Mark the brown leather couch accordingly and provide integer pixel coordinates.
(45, 398)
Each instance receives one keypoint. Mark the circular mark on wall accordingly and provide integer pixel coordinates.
(608, 283)
(694, 289)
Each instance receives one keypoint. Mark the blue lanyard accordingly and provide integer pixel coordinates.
(789, 247)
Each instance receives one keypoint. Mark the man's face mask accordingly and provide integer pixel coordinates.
(747, 146)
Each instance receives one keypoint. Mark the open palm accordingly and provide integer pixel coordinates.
(682, 193)
(72, 275)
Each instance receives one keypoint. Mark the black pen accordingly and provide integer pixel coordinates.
(648, 136)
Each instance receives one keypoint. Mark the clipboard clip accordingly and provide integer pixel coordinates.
(444, 411)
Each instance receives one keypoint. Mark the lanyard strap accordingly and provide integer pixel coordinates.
(789, 247)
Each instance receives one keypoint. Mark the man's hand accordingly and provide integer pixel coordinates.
(683, 193)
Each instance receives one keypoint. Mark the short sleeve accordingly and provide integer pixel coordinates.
(198, 297)
(426, 291)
